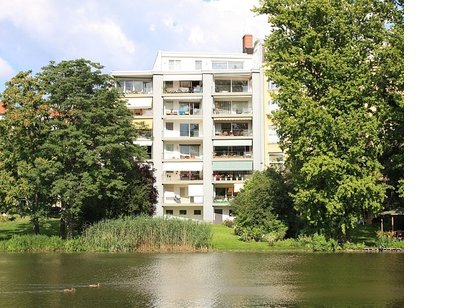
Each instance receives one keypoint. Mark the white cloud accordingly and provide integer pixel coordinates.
(196, 36)
(107, 32)
(6, 71)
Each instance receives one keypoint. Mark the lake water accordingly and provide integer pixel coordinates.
(214, 279)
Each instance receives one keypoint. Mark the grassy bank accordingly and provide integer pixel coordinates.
(145, 234)
(129, 234)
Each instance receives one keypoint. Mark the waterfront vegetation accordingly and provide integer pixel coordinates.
(127, 234)
(146, 234)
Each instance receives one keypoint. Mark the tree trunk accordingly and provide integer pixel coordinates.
(35, 225)
(62, 228)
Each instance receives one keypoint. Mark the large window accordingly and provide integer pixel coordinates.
(227, 65)
(272, 134)
(232, 107)
(174, 65)
(189, 108)
(231, 85)
(189, 150)
(130, 86)
(189, 130)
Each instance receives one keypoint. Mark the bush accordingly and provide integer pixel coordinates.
(229, 223)
(33, 243)
(318, 242)
(388, 240)
(353, 246)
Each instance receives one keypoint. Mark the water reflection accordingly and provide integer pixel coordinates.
(202, 280)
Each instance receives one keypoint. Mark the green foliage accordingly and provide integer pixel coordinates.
(263, 208)
(318, 242)
(33, 243)
(141, 233)
(339, 71)
(144, 233)
(68, 139)
(353, 246)
(388, 240)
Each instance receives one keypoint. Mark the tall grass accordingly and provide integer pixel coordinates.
(128, 234)
(144, 233)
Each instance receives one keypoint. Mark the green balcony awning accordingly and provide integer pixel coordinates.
(232, 166)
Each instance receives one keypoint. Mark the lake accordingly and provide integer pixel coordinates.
(213, 279)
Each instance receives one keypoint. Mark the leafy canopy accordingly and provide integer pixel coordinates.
(338, 66)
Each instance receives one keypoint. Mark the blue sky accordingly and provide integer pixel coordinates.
(121, 35)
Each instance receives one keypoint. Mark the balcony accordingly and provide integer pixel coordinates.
(232, 86)
(182, 109)
(233, 133)
(232, 155)
(131, 87)
(182, 87)
(235, 108)
(231, 176)
(182, 176)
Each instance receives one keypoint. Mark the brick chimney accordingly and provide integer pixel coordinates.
(247, 44)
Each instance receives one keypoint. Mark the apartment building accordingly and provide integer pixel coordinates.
(201, 118)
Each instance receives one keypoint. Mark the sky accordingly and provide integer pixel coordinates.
(121, 35)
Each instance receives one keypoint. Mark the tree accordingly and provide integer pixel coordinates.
(338, 68)
(25, 171)
(69, 142)
(92, 140)
(263, 209)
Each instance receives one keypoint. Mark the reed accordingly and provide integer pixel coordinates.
(33, 243)
(144, 233)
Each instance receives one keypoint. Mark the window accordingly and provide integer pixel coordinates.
(272, 134)
(174, 64)
(231, 85)
(169, 126)
(169, 212)
(135, 86)
(189, 130)
(198, 64)
(272, 85)
(189, 150)
(223, 65)
(222, 85)
(272, 106)
(276, 158)
(183, 212)
(197, 212)
(235, 65)
(219, 65)
(184, 192)
(189, 108)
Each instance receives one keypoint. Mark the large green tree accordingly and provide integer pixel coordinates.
(338, 66)
(86, 144)
(26, 172)
(263, 209)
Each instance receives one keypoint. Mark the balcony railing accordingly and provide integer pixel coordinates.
(183, 176)
(235, 111)
(231, 154)
(234, 133)
(224, 200)
(177, 155)
(232, 176)
(179, 90)
(182, 112)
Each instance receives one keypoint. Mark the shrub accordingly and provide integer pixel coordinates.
(388, 240)
(353, 246)
(317, 242)
(229, 223)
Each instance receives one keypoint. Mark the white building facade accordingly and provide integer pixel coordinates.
(201, 118)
